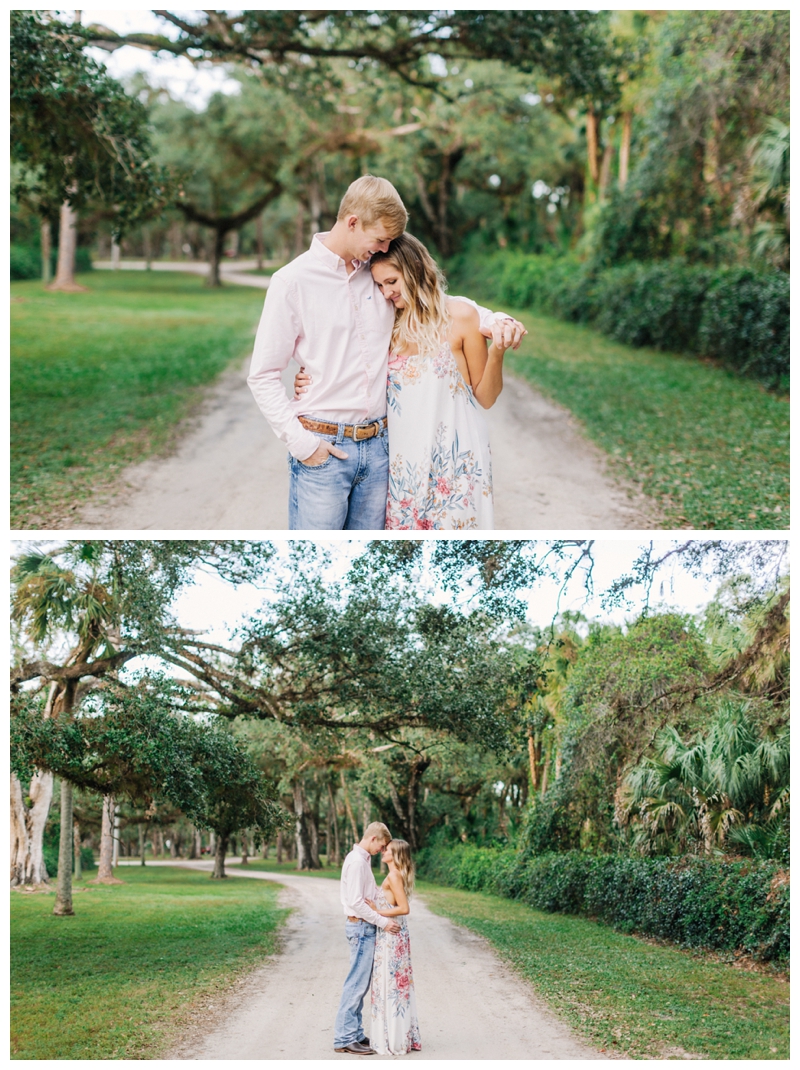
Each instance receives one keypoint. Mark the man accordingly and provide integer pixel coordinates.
(356, 886)
(324, 311)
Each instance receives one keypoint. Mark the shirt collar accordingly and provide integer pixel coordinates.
(327, 256)
(357, 847)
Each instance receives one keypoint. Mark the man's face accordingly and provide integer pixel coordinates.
(368, 240)
(375, 845)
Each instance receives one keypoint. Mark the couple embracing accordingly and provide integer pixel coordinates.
(380, 953)
(386, 428)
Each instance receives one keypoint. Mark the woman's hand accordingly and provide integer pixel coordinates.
(507, 334)
(302, 381)
(370, 904)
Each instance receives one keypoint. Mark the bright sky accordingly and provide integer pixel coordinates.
(179, 75)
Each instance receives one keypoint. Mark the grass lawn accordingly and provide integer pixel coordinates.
(271, 866)
(711, 448)
(120, 979)
(99, 379)
(626, 996)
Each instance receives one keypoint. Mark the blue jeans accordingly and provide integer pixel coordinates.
(361, 938)
(342, 495)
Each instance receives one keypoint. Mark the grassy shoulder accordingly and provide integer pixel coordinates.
(626, 996)
(271, 866)
(121, 978)
(100, 379)
(711, 448)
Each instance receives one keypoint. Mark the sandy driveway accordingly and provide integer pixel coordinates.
(229, 472)
(470, 1005)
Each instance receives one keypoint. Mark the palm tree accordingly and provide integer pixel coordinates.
(711, 789)
(51, 601)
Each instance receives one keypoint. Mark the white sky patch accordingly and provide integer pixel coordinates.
(185, 81)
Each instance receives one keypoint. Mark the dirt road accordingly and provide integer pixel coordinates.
(229, 472)
(470, 1005)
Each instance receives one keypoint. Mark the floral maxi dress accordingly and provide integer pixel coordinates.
(440, 463)
(394, 1029)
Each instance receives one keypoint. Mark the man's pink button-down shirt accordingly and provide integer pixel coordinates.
(357, 884)
(336, 325)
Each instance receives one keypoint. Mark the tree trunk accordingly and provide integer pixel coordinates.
(348, 809)
(104, 870)
(299, 235)
(148, 248)
(260, 241)
(279, 848)
(67, 242)
(115, 842)
(532, 763)
(114, 254)
(591, 144)
(303, 829)
(245, 851)
(217, 248)
(142, 844)
(63, 905)
(76, 833)
(605, 170)
(625, 148)
(219, 858)
(47, 249)
(334, 856)
(27, 829)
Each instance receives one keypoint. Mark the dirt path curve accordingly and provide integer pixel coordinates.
(229, 471)
(470, 1005)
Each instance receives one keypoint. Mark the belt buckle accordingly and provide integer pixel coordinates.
(361, 431)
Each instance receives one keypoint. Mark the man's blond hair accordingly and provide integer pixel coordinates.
(378, 830)
(374, 200)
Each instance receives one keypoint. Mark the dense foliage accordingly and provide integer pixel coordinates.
(727, 906)
(735, 315)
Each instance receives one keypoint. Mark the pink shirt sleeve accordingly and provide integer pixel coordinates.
(274, 347)
(486, 316)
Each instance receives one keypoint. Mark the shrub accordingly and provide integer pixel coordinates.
(26, 261)
(734, 315)
(746, 323)
(695, 902)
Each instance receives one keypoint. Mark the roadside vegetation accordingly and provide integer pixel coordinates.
(628, 997)
(99, 379)
(708, 446)
(123, 977)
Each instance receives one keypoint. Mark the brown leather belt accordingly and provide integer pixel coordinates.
(354, 919)
(358, 432)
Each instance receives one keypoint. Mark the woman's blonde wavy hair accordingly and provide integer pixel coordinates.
(401, 854)
(425, 321)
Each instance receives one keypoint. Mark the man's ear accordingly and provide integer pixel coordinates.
(351, 222)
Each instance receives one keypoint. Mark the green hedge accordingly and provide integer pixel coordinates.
(26, 261)
(734, 315)
(695, 902)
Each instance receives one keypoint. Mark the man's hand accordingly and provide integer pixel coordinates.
(320, 454)
(507, 333)
(393, 927)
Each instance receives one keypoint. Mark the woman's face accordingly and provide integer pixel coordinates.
(387, 855)
(390, 282)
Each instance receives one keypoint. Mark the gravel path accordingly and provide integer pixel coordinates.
(229, 472)
(470, 1005)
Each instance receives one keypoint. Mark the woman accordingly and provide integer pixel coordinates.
(440, 377)
(394, 1029)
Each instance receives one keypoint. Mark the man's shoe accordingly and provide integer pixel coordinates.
(355, 1047)
(364, 1040)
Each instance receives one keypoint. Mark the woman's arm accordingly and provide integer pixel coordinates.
(484, 370)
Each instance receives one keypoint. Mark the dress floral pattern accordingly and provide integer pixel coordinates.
(440, 463)
(394, 1029)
